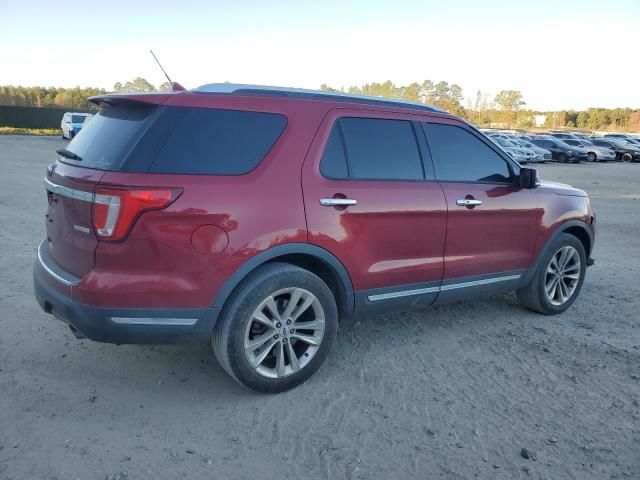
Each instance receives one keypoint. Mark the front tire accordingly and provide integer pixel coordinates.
(277, 328)
(592, 157)
(558, 278)
(562, 158)
(627, 157)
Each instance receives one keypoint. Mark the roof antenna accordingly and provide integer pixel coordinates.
(175, 86)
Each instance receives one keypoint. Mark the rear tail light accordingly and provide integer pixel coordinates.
(115, 210)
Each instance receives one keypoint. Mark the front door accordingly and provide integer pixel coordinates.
(372, 202)
(492, 222)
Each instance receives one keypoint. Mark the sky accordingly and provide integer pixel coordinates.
(561, 54)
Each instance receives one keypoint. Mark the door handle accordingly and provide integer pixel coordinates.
(468, 202)
(337, 202)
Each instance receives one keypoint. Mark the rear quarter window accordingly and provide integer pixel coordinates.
(218, 142)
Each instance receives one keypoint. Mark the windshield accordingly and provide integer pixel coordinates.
(503, 142)
(619, 142)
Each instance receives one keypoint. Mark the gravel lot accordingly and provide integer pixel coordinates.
(454, 392)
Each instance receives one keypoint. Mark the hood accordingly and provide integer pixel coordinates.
(562, 189)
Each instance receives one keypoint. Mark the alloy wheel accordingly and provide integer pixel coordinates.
(284, 333)
(627, 157)
(591, 157)
(562, 275)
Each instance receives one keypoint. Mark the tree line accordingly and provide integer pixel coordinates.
(72, 98)
(506, 109)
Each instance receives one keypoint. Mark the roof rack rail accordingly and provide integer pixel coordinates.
(243, 89)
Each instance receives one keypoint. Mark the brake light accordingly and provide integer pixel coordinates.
(115, 210)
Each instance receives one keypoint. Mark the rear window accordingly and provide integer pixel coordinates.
(156, 139)
(103, 142)
(78, 118)
(222, 142)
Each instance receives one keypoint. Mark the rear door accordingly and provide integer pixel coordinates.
(370, 199)
(492, 222)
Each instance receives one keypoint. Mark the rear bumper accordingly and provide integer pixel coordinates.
(120, 325)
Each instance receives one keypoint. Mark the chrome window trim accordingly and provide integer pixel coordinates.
(68, 192)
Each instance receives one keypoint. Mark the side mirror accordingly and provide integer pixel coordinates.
(528, 178)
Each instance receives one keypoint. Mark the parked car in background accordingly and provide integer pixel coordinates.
(583, 136)
(624, 150)
(519, 154)
(564, 135)
(72, 123)
(542, 154)
(633, 141)
(615, 135)
(560, 151)
(232, 215)
(593, 151)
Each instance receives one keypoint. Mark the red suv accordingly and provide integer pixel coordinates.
(257, 217)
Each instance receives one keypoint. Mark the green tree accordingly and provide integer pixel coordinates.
(138, 84)
(510, 100)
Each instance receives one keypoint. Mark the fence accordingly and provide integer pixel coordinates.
(33, 117)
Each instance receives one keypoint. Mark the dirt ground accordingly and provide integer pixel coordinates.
(454, 392)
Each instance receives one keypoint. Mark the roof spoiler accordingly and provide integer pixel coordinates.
(111, 99)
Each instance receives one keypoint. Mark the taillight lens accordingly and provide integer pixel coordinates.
(116, 209)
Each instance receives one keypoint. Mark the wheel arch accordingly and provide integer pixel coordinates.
(577, 228)
(315, 259)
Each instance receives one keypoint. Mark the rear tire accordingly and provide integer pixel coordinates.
(558, 279)
(592, 157)
(562, 158)
(268, 351)
(627, 157)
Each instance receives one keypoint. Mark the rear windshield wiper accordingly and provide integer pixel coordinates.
(68, 154)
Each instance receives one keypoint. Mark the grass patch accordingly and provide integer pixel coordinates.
(29, 131)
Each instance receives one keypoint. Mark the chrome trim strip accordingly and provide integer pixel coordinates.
(82, 229)
(404, 293)
(476, 283)
(154, 321)
(62, 280)
(68, 192)
(443, 288)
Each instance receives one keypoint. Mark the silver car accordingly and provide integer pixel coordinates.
(541, 154)
(594, 152)
(519, 154)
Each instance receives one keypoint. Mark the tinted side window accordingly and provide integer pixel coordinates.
(381, 149)
(334, 161)
(459, 155)
(219, 142)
